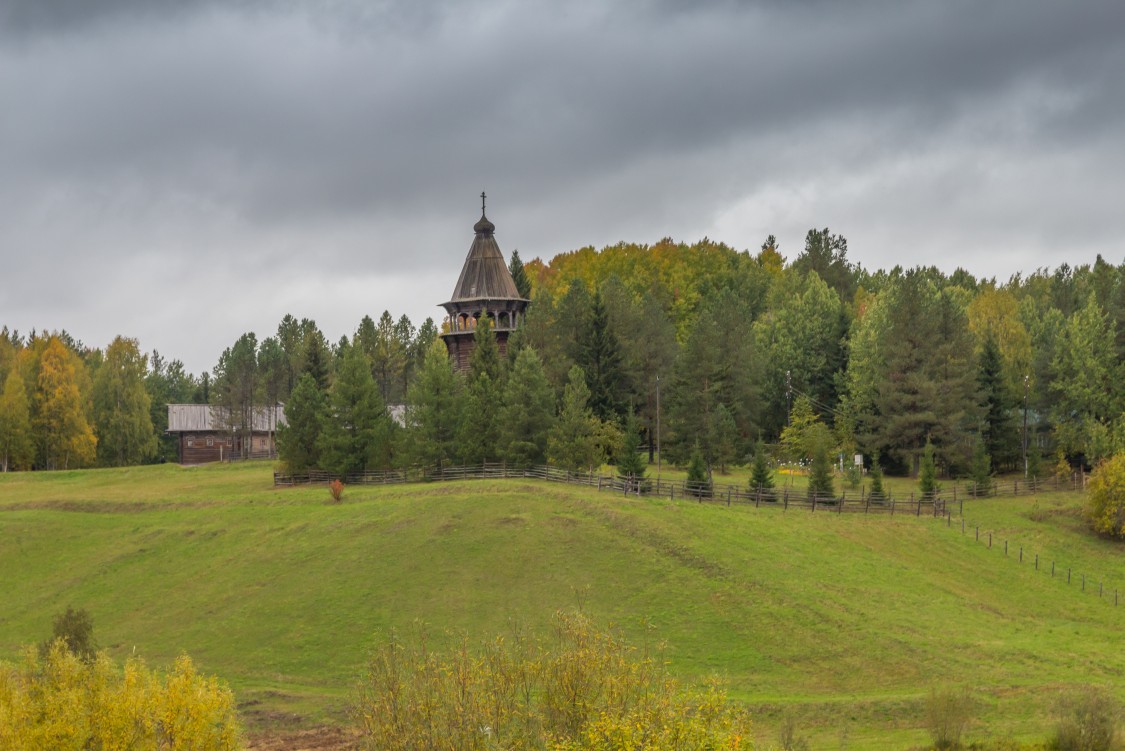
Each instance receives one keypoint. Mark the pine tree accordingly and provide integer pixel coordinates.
(122, 415)
(519, 276)
(16, 447)
(434, 411)
(761, 477)
(304, 415)
(572, 440)
(356, 430)
(478, 438)
(527, 413)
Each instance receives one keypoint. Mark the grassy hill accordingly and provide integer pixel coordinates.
(845, 621)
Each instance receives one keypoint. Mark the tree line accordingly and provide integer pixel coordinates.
(699, 349)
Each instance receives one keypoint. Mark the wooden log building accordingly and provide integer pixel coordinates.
(204, 434)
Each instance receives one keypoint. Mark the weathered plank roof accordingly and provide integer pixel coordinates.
(485, 275)
(201, 418)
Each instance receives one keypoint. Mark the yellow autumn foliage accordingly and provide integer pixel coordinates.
(1106, 492)
(60, 702)
(586, 690)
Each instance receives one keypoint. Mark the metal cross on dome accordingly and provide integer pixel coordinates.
(482, 203)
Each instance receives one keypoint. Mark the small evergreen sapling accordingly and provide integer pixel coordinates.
(876, 474)
(631, 466)
(761, 478)
(698, 480)
(927, 473)
(982, 469)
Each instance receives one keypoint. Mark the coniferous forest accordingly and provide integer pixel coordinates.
(718, 351)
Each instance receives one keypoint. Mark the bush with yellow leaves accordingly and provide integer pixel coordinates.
(58, 701)
(1106, 493)
(586, 691)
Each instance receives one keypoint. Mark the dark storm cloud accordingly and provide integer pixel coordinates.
(270, 142)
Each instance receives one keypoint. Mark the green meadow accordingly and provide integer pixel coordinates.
(844, 622)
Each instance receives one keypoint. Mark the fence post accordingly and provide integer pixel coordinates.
(1068, 576)
(728, 497)
(1005, 548)
(813, 502)
(1036, 561)
(990, 540)
(892, 506)
(1021, 553)
(1083, 582)
(843, 500)
(1052, 569)
(786, 496)
(866, 504)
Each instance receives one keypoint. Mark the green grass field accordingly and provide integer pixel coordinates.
(844, 621)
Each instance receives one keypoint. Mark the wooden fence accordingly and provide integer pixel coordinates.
(863, 502)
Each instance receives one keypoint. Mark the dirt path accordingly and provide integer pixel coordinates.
(316, 739)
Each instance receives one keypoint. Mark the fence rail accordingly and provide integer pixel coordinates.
(860, 502)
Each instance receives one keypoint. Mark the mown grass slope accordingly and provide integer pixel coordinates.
(844, 620)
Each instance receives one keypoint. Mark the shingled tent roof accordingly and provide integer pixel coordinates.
(485, 276)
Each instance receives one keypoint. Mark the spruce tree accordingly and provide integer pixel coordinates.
(600, 357)
(304, 415)
(434, 411)
(761, 477)
(999, 436)
(982, 469)
(356, 430)
(519, 276)
(572, 440)
(698, 478)
(527, 413)
(631, 466)
(726, 438)
(821, 484)
(876, 474)
(927, 472)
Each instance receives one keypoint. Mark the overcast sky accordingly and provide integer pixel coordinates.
(182, 171)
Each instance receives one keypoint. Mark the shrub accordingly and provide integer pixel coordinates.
(1086, 721)
(336, 490)
(788, 739)
(58, 701)
(586, 691)
(75, 628)
(948, 711)
(1106, 497)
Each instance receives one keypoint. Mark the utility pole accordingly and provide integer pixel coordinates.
(1026, 389)
(659, 456)
(788, 397)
